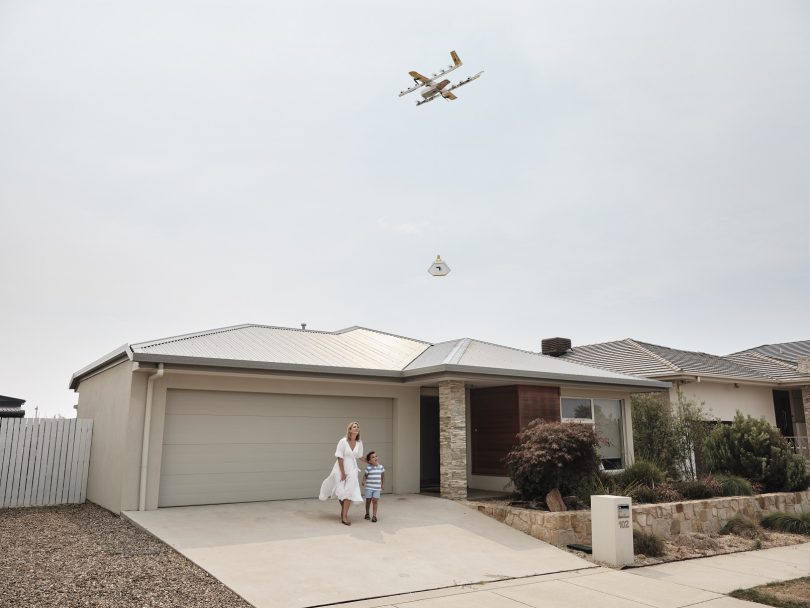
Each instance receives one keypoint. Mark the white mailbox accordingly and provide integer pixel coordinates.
(612, 529)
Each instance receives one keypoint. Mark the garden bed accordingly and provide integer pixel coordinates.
(690, 528)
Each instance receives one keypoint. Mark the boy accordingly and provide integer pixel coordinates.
(374, 481)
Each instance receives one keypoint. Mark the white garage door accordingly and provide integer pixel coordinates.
(238, 447)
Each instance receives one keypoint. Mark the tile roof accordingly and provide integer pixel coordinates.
(786, 351)
(653, 361)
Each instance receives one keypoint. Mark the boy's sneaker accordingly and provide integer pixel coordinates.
(374, 518)
(367, 517)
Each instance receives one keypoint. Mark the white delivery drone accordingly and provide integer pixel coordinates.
(438, 268)
(435, 87)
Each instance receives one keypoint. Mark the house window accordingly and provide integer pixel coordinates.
(606, 417)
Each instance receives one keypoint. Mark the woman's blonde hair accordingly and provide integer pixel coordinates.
(348, 428)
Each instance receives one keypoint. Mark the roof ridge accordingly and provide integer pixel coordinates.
(458, 351)
(654, 355)
(377, 331)
(220, 330)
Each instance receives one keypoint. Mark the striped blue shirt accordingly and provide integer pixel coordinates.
(374, 476)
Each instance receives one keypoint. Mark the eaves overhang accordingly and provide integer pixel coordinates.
(426, 373)
(122, 353)
(733, 380)
(522, 374)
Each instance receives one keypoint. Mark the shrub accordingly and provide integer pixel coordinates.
(642, 473)
(694, 489)
(552, 455)
(754, 449)
(650, 544)
(666, 493)
(743, 526)
(655, 436)
(671, 435)
(714, 485)
(788, 522)
(644, 494)
(735, 486)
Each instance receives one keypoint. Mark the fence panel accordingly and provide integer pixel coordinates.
(43, 462)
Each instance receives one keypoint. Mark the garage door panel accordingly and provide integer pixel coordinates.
(219, 403)
(179, 490)
(267, 429)
(252, 458)
(236, 447)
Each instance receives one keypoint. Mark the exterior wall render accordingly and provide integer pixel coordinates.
(723, 400)
(453, 439)
(105, 398)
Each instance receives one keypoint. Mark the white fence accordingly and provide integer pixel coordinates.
(43, 462)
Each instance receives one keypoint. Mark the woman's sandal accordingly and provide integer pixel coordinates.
(345, 522)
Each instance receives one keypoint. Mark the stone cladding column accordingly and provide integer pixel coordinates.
(452, 439)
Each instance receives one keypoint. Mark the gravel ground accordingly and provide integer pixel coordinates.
(82, 555)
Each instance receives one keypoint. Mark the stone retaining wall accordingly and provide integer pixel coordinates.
(665, 519)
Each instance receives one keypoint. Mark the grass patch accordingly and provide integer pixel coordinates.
(734, 485)
(792, 523)
(650, 545)
(787, 594)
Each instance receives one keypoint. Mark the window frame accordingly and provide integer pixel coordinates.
(592, 422)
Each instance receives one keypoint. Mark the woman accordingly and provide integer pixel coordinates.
(344, 480)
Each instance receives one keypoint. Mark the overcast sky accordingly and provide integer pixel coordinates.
(622, 169)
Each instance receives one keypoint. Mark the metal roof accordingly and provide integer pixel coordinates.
(651, 360)
(356, 351)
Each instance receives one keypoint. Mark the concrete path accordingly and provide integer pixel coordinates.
(725, 573)
(296, 553)
(700, 582)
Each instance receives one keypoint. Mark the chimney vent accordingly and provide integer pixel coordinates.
(303, 326)
(555, 346)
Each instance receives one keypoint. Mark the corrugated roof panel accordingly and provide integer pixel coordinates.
(357, 348)
(435, 355)
(484, 354)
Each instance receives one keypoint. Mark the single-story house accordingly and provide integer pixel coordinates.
(253, 412)
(11, 407)
(770, 381)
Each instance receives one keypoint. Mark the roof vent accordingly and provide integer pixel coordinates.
(555, 346)
(304, 326)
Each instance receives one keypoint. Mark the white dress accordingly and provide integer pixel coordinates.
(332, 487)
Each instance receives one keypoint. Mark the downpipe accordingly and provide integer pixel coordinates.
(147, 422)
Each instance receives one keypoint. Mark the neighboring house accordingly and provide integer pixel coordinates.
(253, 412)
(10, 407)
(771, 381)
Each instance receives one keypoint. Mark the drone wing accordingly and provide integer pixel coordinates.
(462, 83)
(417, 76)
(423, 80)
(449, 96)
(442, 84)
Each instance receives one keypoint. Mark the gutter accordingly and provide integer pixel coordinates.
(147, 422)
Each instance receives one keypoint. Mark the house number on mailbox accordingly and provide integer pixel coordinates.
(624, 524)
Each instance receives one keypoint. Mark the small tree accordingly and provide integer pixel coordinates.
(655, 432)
(752, 448)
(552, 455)
(671, 435)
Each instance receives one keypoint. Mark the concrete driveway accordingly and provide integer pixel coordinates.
(295, 553)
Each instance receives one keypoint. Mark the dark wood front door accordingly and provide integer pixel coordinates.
(429, 444)
(781, 410)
